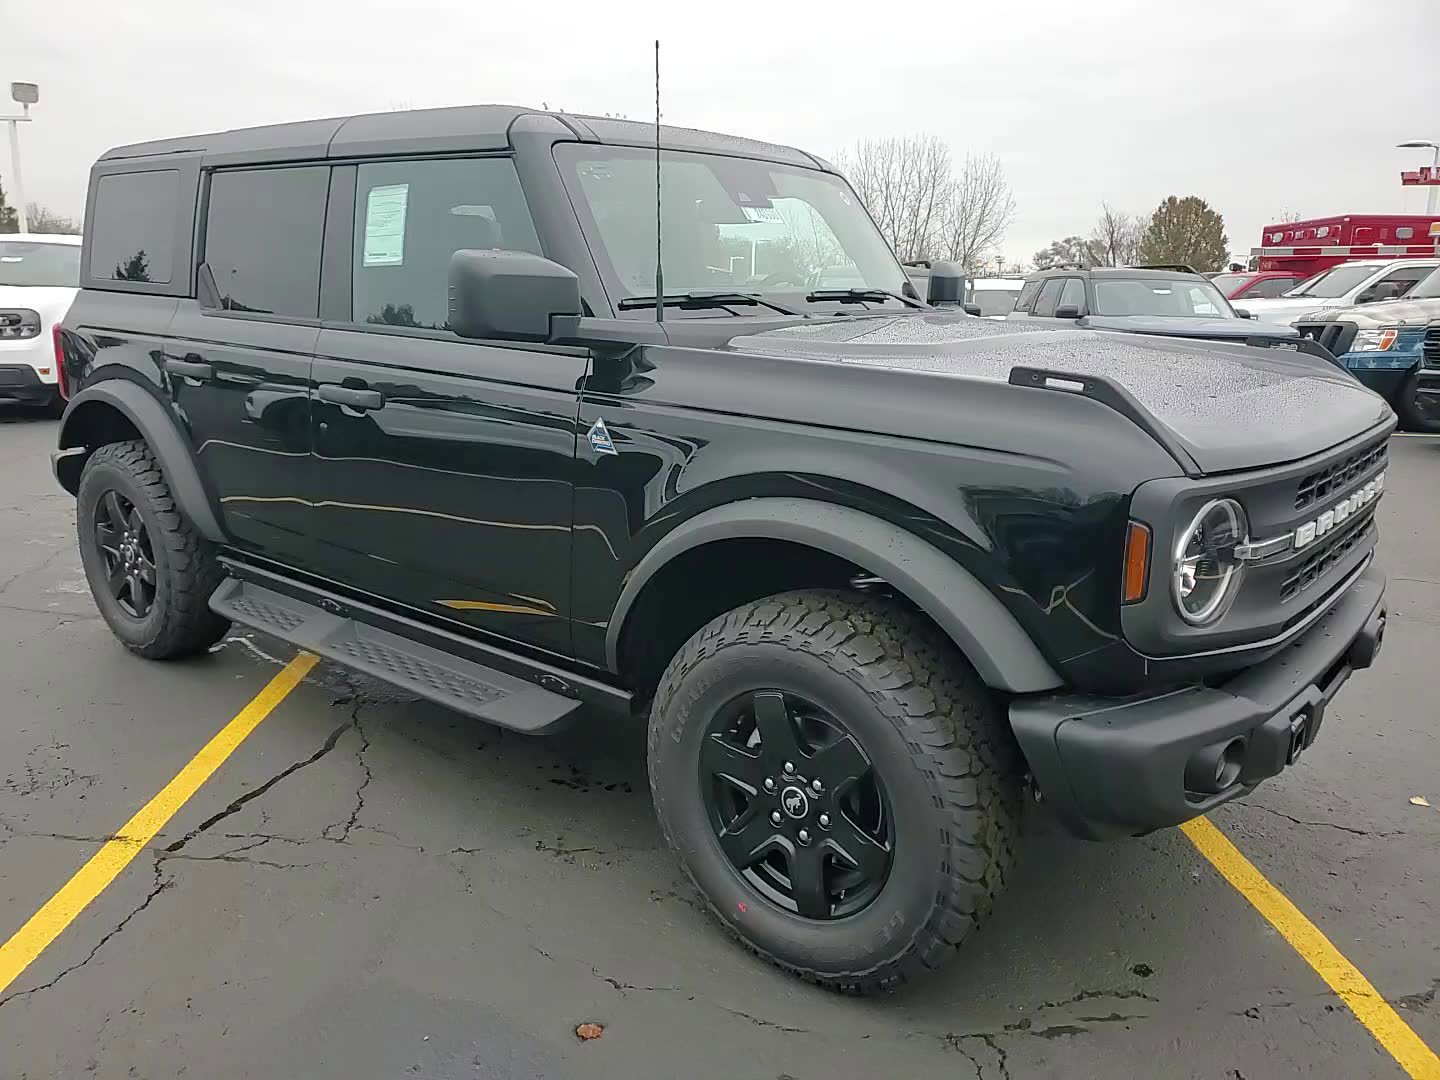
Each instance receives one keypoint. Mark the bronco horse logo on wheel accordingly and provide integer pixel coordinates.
(794, 802)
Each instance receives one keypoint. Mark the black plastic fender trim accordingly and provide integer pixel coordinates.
(162, 434)
(978, 623)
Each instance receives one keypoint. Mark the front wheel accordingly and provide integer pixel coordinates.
(838, 783)
(150, 573)
(1407, 405)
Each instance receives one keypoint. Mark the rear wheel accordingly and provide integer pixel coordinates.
(150, 573)
(838, 784)
(1407, 405)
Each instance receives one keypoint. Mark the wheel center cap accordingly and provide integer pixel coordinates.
(794, 802)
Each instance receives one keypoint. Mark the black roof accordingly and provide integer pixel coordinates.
(460, 128)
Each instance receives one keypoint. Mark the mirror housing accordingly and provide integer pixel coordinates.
(972, 309)
(1067, 311)
(512, 296)
(1244, 313)
(947, 284)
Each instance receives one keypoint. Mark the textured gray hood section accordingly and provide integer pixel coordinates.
(1230, 406)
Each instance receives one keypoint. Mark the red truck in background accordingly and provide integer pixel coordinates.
(1307, 247)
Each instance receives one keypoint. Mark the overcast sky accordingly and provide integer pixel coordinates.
(1259, 107)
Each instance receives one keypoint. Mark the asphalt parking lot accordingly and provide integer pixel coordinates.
(371, 887)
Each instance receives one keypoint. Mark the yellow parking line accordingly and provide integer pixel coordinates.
(90, 880)
(1417, 1059)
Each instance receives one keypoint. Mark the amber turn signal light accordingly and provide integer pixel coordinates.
(1137, 562)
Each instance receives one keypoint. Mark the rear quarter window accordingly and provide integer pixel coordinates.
(132, 232)
(1027, 295)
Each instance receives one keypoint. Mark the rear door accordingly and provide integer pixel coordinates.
(443, 467)
(238, 364)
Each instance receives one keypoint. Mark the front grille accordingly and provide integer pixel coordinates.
(1333, 479)
(1330, 552)
(1336, 337)
(1430, 347)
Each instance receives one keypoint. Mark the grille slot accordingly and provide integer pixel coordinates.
(1330, 552)
(1430, 347)
(1332, 479)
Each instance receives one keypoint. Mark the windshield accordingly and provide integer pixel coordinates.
(1227, 283)
(36, 262)
(729, 224)
(1337, 281)
(1427, 289)
(1182, 297)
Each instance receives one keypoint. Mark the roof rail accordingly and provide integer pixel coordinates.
(1174, 268)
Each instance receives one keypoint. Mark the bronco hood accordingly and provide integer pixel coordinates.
(1228, 406)
(1174, 326)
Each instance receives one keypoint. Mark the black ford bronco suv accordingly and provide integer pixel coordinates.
(399, 389)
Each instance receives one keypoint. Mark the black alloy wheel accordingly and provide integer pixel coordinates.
(129, 556)
(796, 805)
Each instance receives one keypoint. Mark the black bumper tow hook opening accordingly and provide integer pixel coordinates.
(1215, 767)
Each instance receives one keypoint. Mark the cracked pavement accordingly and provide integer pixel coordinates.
(374, 887)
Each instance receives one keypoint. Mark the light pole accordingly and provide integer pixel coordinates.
(24, 94)
(1422, 144)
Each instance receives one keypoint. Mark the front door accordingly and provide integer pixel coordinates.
(442, 478)
(238, 361)
(443, 468)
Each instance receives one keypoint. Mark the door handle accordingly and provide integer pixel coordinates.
(190, 368)
(353, 396)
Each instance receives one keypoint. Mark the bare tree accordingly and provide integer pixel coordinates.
(905, 182)
(1115, 239)
(979, 211)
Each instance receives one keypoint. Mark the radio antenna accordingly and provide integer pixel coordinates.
(659, 269)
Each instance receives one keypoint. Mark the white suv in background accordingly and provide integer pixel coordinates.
(39, 277)
(1346, 285)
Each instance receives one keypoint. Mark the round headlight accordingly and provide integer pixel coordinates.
(1206, 572)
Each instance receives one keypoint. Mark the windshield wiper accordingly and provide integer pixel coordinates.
(856, 296)
(706, 300)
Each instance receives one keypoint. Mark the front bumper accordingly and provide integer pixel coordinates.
(1427, 393)
(20, 382)
(1125, 766)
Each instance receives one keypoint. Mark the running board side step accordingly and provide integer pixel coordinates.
(441, 677)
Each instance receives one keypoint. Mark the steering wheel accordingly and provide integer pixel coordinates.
(782, 277)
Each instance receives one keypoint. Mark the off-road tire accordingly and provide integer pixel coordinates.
(936, 737)
(179, 622)
(1411, 418)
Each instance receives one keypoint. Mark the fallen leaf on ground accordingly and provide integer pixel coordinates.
(586, 1032)
(1419, 800)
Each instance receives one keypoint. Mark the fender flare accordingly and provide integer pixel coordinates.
(979, 624)
(160, 431)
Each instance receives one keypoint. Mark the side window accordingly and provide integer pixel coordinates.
(132, 236)
(262, 239)
(1027, 295)
(1049, 298)
(1269, 288)
(1393, 285)
(411, 216)
(1073, 295)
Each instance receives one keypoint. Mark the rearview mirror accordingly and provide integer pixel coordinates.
(512, 296)
(1067, 311)
(1243, 313)
(972, 309)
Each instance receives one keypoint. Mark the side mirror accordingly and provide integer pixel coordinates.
(512, 296)
(1067, 311)
(972, 309)
(1243, 313)
(947, 284)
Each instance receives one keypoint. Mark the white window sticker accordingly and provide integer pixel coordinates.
(385, 225)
